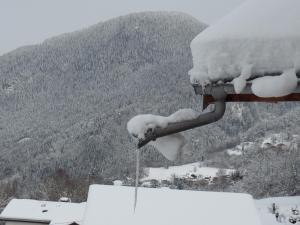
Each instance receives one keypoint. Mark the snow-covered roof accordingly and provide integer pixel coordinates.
(259, 37)
(113, 205)
(43, 211)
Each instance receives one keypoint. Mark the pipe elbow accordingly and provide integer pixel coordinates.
(219, 109)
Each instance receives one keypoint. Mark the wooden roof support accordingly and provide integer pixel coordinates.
(245, 96)
(208, 99)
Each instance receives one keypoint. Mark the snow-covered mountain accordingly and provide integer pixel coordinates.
(65, 103)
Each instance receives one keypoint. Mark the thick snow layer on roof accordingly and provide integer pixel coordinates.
(33, 210)
(113, 205)
(262, 33)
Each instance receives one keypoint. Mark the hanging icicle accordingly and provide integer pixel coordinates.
(137, 171)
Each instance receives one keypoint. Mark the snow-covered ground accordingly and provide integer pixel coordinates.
(284, 207)
(183, 171)
(239, 149)
(235, 152)
(280, 139)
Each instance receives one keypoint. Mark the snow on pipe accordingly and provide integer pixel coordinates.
(219, 96)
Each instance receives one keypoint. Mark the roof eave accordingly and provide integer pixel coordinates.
(3, 218)
(246, 95)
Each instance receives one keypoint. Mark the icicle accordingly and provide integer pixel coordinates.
(137, 171)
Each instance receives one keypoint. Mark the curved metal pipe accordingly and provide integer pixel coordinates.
(218, 94)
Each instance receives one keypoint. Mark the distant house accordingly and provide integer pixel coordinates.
(114, 205)
(33, 212)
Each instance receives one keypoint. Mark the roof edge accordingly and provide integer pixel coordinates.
(3, 218)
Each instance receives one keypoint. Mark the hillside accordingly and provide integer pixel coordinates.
(65, 104)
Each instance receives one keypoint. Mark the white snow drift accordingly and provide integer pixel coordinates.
(275, 86)
(262, 33)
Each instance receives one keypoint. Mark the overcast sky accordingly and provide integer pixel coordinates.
(25, 22)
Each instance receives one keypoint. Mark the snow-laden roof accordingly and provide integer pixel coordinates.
(113, 205)
(259, 37)
(43, 211)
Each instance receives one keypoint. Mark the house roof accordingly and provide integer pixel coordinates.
(113, 205)
(259, 37)
(43, 211)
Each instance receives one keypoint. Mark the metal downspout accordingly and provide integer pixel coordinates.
(218, 94)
